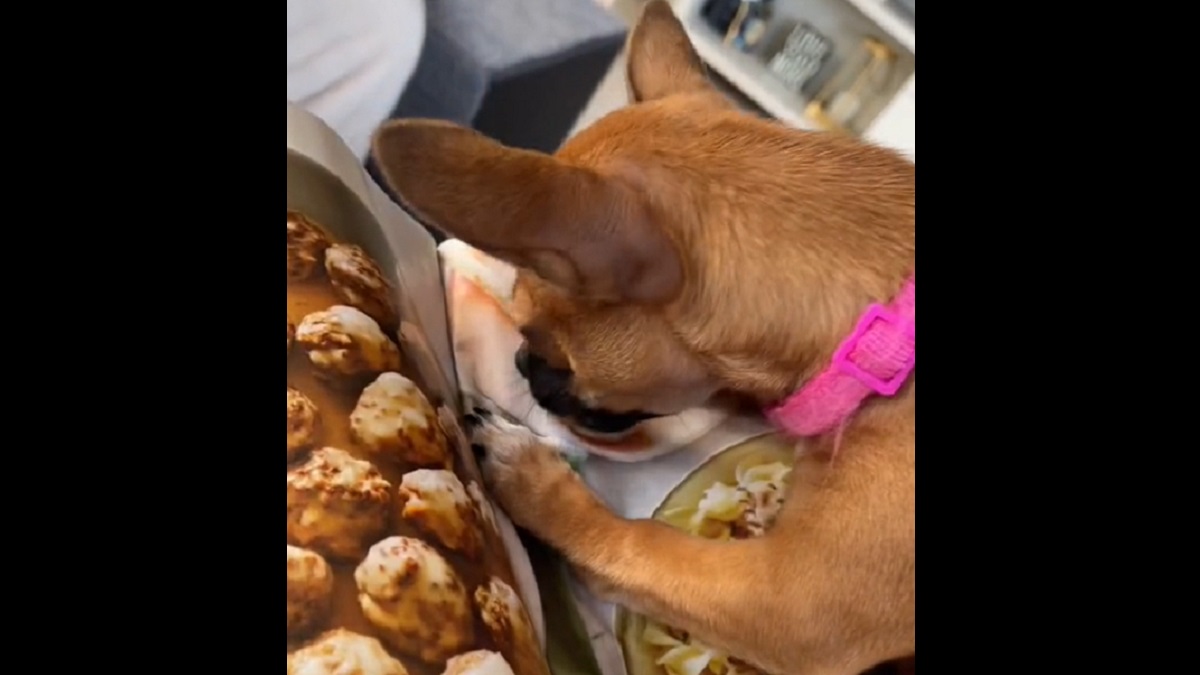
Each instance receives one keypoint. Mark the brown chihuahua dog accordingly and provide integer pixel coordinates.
(676, 249)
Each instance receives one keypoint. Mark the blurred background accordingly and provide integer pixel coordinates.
(530, 72)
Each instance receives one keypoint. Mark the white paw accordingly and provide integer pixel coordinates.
(500, 434)
(518, 465)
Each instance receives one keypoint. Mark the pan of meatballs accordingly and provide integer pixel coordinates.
(396, 564)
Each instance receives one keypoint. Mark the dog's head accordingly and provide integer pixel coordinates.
(649, 244)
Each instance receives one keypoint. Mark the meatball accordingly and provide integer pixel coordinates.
(301, 422)
(394, 419)
(437, 503)
(336, 504)
(291, 335)
(305, 245)
(504, 615)
(479, 662)
(342, 341)
(416, 602)
(359, 282)
(309, 590)
(341, 652)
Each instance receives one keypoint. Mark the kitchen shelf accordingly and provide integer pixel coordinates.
(748, 74)
(896, 27)
(893, 121)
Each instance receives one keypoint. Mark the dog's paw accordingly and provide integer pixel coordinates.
(526, 473)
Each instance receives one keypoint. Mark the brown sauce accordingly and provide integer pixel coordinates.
(335, 407)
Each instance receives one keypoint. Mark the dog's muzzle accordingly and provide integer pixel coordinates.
(551, 388)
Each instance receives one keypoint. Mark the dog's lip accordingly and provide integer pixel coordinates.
(595, 420)
(631, 418)
(605, 438)
(607, 423)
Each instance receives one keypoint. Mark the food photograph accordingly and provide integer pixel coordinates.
(396, 560)
(736, 494)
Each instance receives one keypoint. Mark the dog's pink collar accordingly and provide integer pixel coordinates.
(876, 359)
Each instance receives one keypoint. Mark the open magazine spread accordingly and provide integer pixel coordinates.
(398, 562)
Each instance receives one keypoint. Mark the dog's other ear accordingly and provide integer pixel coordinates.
(588, 234)
(661, 59)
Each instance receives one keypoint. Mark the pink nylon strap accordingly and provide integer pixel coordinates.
(875, 360)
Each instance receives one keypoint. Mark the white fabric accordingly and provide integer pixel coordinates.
(349, 60)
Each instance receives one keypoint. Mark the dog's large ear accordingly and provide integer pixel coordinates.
(661, 59)
(590, 235)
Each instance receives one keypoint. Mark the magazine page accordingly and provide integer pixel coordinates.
(397, 562)
(709, 472)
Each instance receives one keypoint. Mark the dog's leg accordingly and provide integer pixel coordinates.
(807, 599)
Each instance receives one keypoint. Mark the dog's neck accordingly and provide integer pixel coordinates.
(788, 318)
(875, 360)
